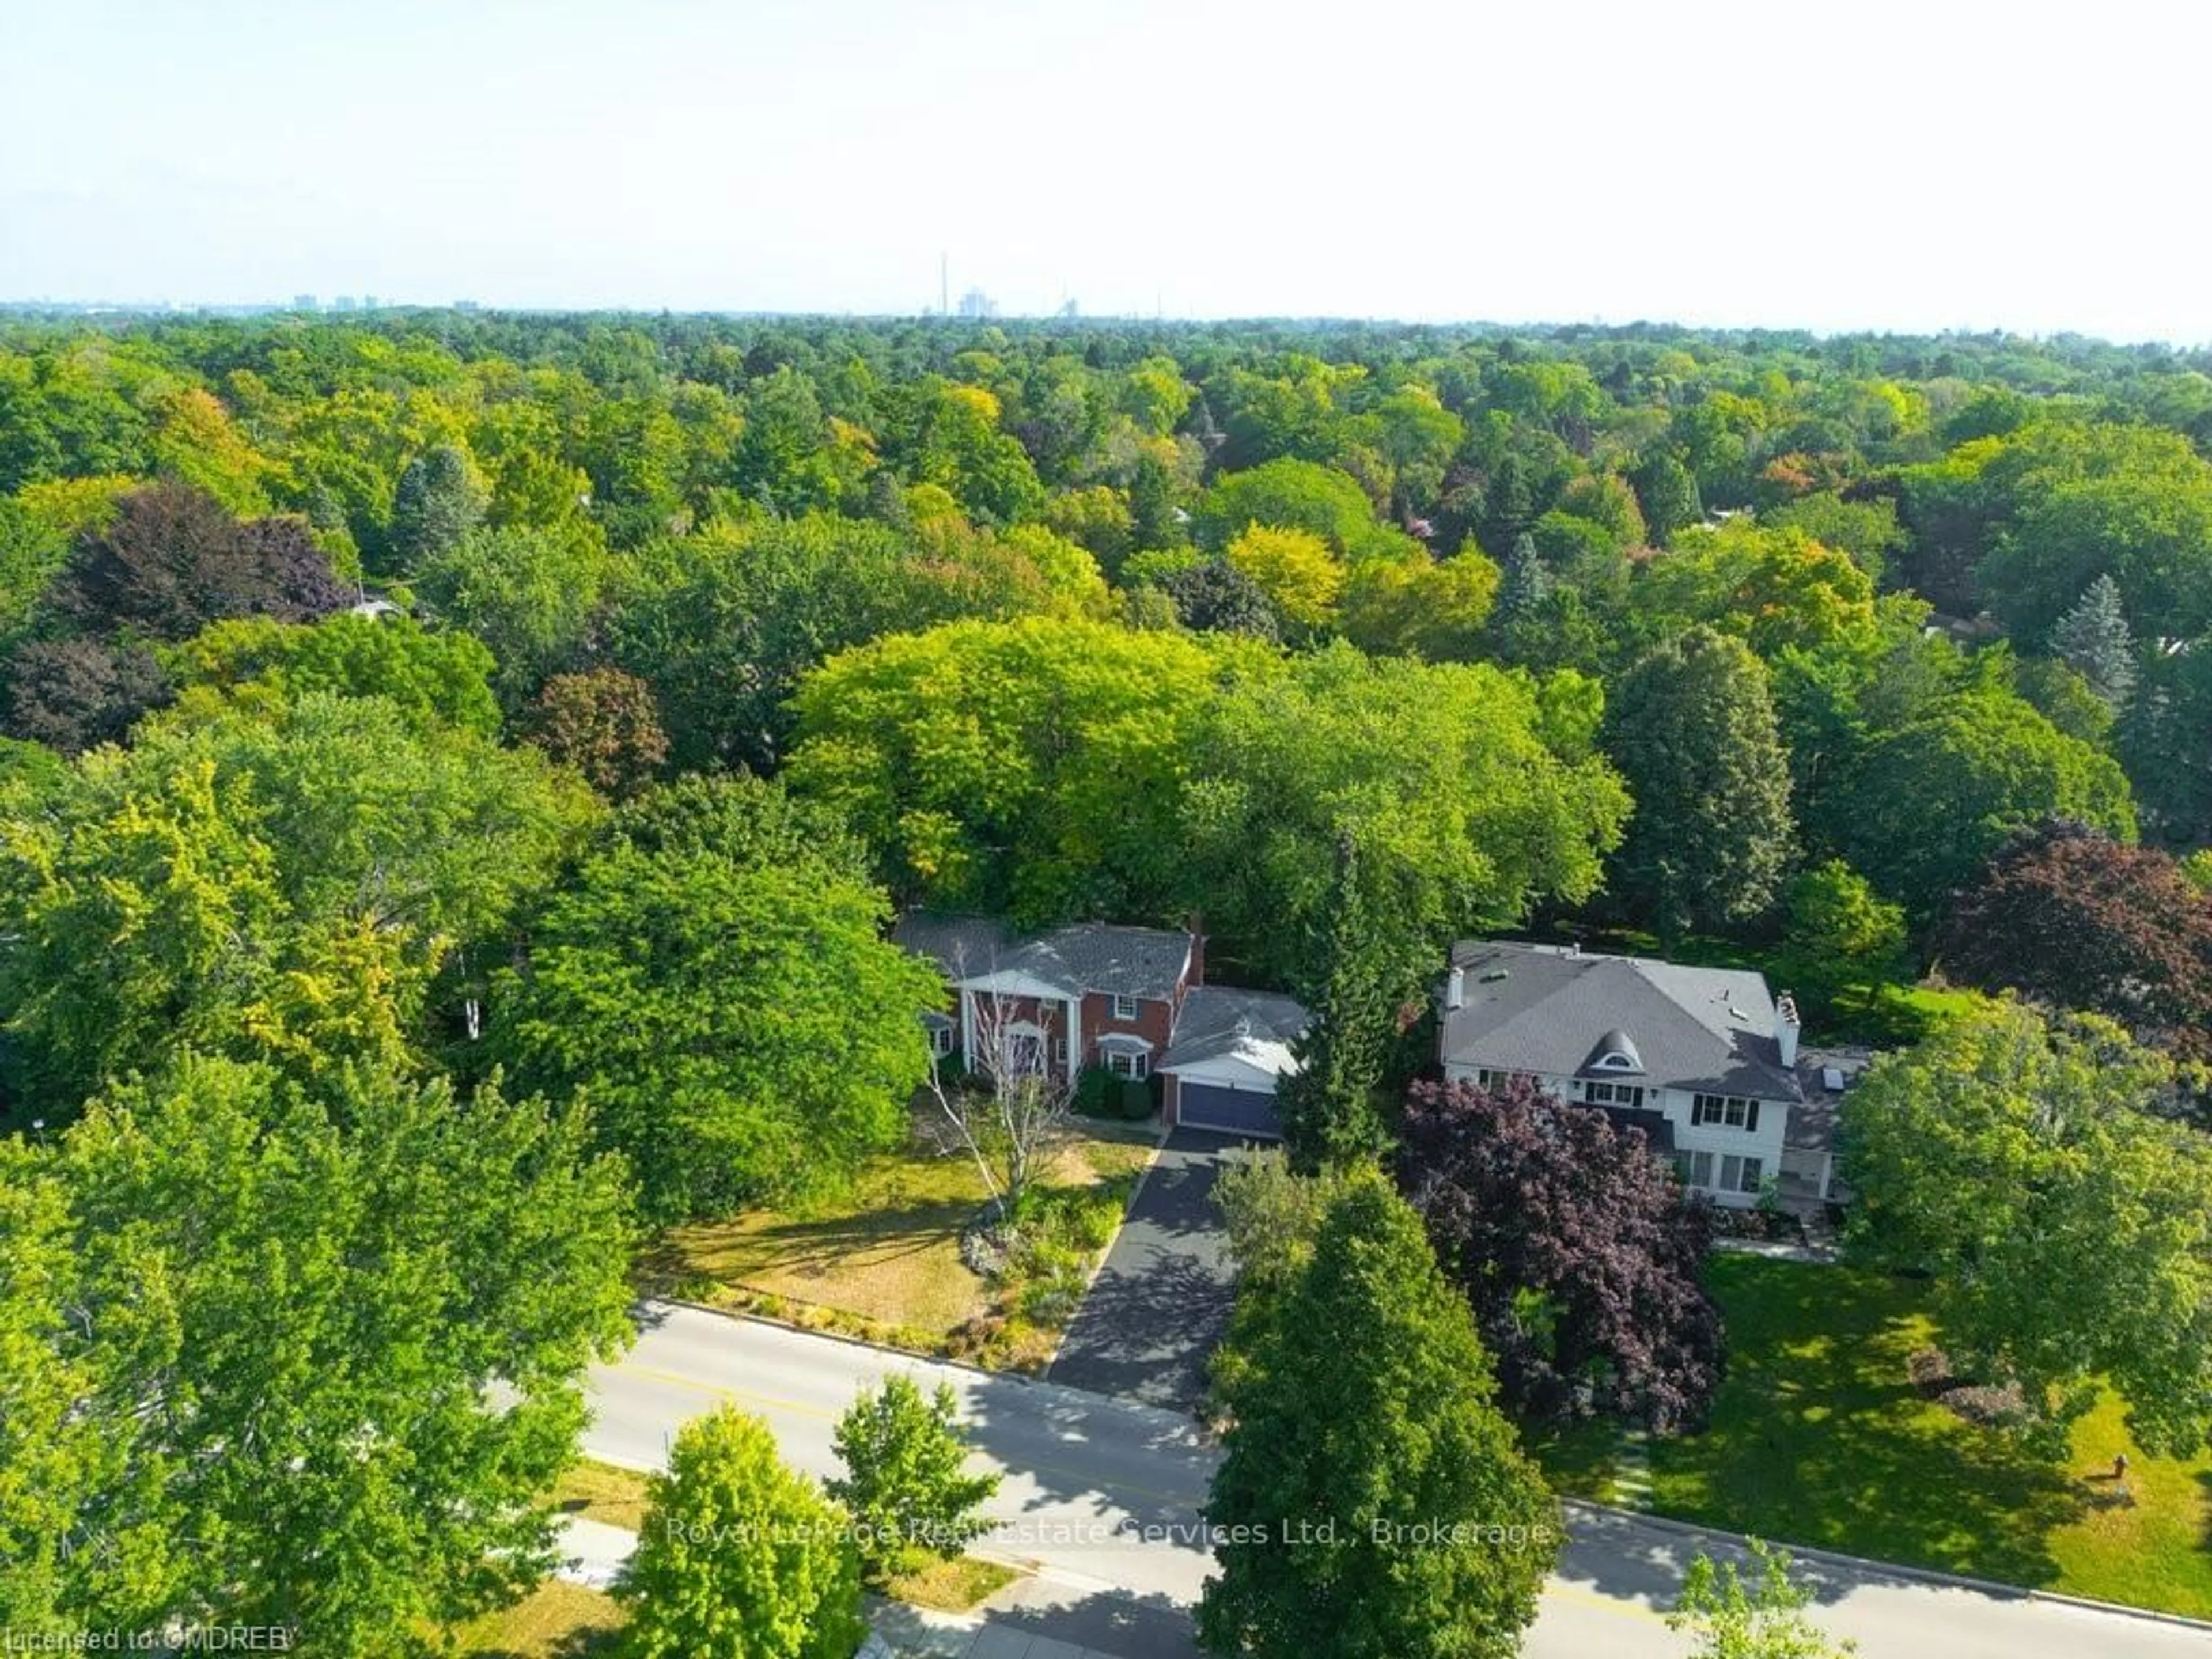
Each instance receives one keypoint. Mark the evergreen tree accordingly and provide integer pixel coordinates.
(1692, 728)
(1527, 583)
(437, 501)
(1508, 503)
(1372, 1500)
(1330, 1115)
(2092, 638)
(1668, 496)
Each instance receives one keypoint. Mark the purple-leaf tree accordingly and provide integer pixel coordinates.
(1577, 1249)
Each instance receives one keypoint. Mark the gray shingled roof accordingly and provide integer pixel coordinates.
(1551, 1010)
(1221, 1019)
(1813, 1124)
(1113, 961)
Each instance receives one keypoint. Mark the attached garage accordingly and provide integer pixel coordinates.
(1231, 1049)
(1227, 1109)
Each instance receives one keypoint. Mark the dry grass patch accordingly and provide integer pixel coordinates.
(558, 1620)
(881, 1260)
(603, 1492)
(953, 1586)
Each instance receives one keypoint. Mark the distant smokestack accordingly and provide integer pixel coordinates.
(1786, 1028)
(1455, 989)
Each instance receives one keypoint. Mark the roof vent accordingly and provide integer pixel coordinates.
(1494, 975)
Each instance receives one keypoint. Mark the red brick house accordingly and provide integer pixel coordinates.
(1130, 1000)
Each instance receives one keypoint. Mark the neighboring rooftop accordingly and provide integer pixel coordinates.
(1219, 1021)
(1557, 1010)
(1091, 956)
(1823, 1075)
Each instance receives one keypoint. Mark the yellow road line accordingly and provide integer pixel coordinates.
(1627, 1609)
(718, 1391)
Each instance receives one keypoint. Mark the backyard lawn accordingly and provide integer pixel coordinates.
(882, 1260)
(1819, 1437)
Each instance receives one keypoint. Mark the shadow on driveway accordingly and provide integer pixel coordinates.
(1160, 1303)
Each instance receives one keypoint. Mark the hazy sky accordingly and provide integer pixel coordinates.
(1863, 164)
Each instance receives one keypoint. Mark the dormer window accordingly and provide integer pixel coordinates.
(1615, 1051)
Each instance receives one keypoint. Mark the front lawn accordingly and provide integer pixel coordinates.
(882, 1260)
(558, 1620)
(1819, 1438)
(1579, 1460)
(603, 1492)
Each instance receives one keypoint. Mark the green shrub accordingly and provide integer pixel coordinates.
(1094, 1091)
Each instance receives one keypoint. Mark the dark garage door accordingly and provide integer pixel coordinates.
(1231, 1111)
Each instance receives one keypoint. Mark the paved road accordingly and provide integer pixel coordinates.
(1162, 1298)
(1082, 1473)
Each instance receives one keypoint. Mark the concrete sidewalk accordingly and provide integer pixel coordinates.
(1032, 1618)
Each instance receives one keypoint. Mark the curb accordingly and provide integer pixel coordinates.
(1864, 1565)
(1182, 1421)
(738, 1316)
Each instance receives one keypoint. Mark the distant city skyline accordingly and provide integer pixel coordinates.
(1903, 167)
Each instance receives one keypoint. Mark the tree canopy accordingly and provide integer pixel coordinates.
(269, 1316)
(733, 1014)
(1988, 1154)
(1371, 1499)
(1577, 1248)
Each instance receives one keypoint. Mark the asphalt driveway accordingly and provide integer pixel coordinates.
(1162, 1301)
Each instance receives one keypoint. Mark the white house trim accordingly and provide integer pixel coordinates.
(1013, 983)
(1231, 1072)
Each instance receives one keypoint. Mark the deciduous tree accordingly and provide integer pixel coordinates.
(602, 723)
(1988, 1155)
(1575, 1246)
(1465, 801)
(1934, 797)
(2072, 918)
(172, 561)
(739, 1555)
(1294, 567)
(1763, 1618)
(906, 1484)
(435, 678)
(739, 1025)
(288, 1310)
(72, 695)
(1836, 932)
